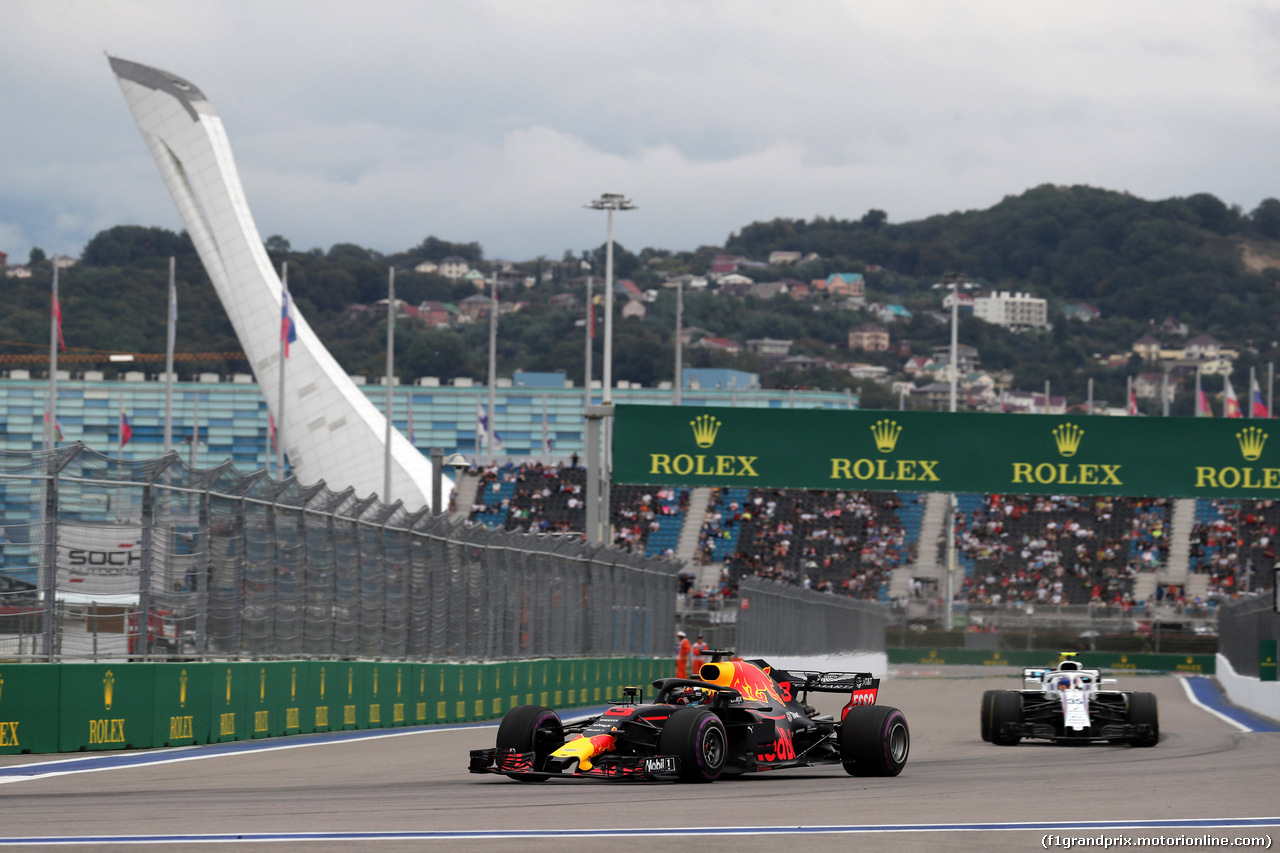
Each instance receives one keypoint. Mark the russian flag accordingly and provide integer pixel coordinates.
(288, 332)
(1259, 405)
(126, 429)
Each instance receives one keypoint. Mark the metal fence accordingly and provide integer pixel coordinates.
(777, 618)
(103, 558)
(1242, 624)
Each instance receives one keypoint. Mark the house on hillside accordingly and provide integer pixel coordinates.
(454, 267)
(1146, 348)
(562, 302)
(437, 314)
(888, 313)
(869, 337)
(966, 356)
(844, 284)
(717, 345)
(1148, 386)
(768, 289)
(778, 259)
(1082, 311)
(475, 308)
(769, 346)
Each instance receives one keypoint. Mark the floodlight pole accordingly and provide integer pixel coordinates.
(609, 202)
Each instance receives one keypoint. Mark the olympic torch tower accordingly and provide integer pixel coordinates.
(330, 429)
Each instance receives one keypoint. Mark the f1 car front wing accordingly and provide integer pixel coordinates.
(644, 768)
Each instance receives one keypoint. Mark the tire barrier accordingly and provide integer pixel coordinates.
(75, 707)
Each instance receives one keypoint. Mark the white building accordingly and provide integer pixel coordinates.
(1012, 310)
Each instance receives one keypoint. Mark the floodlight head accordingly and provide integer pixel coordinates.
(458, 462)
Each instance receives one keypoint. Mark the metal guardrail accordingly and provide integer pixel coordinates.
(229, 566)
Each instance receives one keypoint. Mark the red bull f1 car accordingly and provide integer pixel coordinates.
(737, 717)
(1066, 704)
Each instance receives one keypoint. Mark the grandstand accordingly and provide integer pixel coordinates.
(1123, 554)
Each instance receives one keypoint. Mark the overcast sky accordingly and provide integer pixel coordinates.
(380, 123)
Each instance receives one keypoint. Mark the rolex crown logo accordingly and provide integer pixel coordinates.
(886, 434)
(705, 428)
(1251, 441)
(1068, 438)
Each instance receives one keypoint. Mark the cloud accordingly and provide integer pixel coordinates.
(382, 122)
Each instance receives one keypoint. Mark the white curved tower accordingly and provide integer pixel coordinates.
(330, 429)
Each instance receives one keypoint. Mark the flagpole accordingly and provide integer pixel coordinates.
(1253, 383)
(284, 343)
(412, 438)
(546, 447)
(1198, 392)
(591, 333)
(168, 359)
(1128, 395)
(491, 426)
(54, 317)
(1271, 385)
(391, 372)
(195, 433)
(1090, 408)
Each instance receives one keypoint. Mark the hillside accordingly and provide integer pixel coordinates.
(1213, 268)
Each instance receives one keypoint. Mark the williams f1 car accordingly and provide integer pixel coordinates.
(1067, 705)
(737, 717)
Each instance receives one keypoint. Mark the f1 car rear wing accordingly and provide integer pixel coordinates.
(805, 681)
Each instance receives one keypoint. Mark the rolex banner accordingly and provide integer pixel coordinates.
(945, 452)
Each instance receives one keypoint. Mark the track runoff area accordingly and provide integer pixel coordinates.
(1209, 784)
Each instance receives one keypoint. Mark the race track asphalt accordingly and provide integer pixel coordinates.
(416, 784)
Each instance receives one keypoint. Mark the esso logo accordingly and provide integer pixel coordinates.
(861, 697)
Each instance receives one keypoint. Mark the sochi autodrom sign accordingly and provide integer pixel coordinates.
(94, 559)
(946, 452)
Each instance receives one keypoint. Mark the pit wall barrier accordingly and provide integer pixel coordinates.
(76, 707)
(1114, 661)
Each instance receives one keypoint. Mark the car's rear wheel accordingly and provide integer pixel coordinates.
(1006, 710)
(697, 737)
(984, 716)
(1144, 711)
(531, 728)
(874, 741)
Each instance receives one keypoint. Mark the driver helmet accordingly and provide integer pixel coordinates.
(1063, 683)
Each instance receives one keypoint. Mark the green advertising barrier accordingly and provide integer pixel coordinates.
(317, 708)
(181, 704)
(29, 696)
(968, 452)
(272, 697)
(105, 706)
(228, 684)
(1116, 661)
(386, 685)
(72, 707)
(1266, 660)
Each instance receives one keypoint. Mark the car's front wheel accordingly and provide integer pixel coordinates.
(1143, 711)
(697, 737)
(1006, 710)
(984, 716)
(531, 728)
(874, 741)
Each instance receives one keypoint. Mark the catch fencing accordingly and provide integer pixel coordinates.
(1241, 625)
(777, 618)
(102, 558)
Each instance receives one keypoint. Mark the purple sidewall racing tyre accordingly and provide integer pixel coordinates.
(698, 738)
(874, 741)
